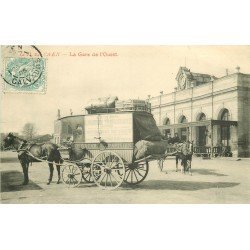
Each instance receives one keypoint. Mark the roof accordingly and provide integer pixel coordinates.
(200, 123)
(64, 117)
(199, 78)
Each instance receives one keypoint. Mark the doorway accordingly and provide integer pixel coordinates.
(201, 131)
(202, 137)
(183, 132)
(225, 129)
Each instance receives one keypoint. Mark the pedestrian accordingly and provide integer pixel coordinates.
(176, 138)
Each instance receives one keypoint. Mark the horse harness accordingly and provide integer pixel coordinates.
(25, 147)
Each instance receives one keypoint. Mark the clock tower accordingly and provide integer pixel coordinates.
(182, 78)
(186, 79)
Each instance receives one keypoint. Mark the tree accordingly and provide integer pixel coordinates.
(29, 131)
(2, 136)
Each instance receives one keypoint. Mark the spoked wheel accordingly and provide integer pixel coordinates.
(136, 172)
(108, 170)
(85, 165)
(72, 175)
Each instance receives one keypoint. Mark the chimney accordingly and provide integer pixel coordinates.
(71, 112)
(226, 72)
(58, 114)
(238, 69)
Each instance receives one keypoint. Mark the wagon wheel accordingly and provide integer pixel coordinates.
(136, 173)
(108, 170)
(72, 175)
(85, 165)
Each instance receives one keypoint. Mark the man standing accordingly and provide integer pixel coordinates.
(176, 138)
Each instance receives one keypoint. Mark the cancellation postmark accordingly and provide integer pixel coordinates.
(23, 69)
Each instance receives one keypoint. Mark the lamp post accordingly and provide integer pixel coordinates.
(175, 90)
(161, 93)
(192, 94)
(212, 132)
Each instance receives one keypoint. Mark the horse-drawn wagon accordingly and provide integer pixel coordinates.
(114, 147)
(110, 154)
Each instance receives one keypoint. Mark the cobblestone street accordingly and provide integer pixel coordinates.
(213, 181)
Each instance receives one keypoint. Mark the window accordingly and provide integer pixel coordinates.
(183, 119)
(225, 115)
(166, 121)
(225, 129)
(202, 117)
(183, 131)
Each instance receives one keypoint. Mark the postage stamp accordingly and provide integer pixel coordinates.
(24, 70)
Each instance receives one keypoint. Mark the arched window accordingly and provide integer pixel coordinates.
(225, 116)
(225, 128)
(166, 132)
(166, 121)
(183, 119)
(201, 131)
(201, 117)
(183, 131)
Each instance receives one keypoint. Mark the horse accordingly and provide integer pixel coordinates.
(25, 150)
(186, 161)
(175, 141)
(184, 153)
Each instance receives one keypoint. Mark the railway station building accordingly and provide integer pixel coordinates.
(213, 113)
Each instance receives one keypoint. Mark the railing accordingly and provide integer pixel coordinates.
(100, 110)
(119, 109)
(222, 151)
(204, 151)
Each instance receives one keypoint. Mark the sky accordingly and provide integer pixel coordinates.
(129, 72)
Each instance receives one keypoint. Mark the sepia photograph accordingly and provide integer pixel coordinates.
(125, 124)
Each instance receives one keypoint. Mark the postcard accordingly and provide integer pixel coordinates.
(125, 124)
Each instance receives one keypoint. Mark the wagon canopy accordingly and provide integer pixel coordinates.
(145, 127)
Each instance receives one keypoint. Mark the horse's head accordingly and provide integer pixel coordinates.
(8, 141)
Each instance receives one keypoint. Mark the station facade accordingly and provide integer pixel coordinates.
(213, 113)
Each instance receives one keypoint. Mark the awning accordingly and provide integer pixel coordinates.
(200, 124)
